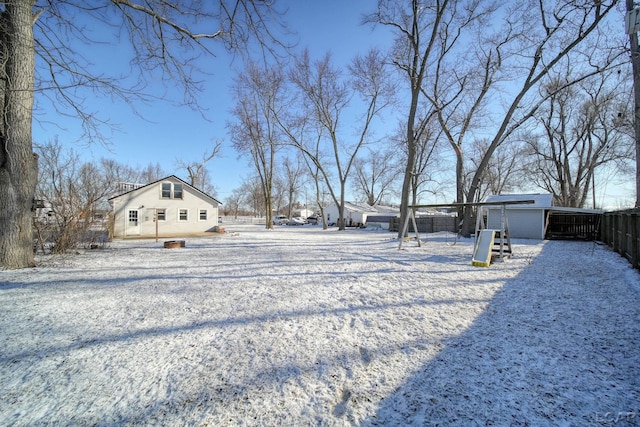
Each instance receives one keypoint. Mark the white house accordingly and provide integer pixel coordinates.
(356, 214)
(169, 206)
(303, 213)
(526, 221)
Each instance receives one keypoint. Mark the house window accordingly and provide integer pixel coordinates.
(171, 191)
(177, 191)
(183, 215)
(166, 190)
(133, 218)
(203, 214)
(161, 214)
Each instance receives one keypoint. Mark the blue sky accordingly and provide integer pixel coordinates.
(166, 133)
(169, 132)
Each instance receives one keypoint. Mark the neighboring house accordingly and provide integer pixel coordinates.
(43, 211)
(303, 213)
(356, 214)
(178, 207)
(382, 217)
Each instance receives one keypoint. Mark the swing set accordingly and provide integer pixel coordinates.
(486, 246)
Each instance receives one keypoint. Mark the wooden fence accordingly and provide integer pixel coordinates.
(428, 224)
(620, 232)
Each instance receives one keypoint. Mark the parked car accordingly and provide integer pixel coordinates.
(280, 220)
(312, 220)
(296, 221)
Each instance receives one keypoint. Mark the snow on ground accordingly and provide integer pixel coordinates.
(301, 326)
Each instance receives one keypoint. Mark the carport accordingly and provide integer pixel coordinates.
(573, 223)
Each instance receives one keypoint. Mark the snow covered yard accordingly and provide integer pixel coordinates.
(300, 326)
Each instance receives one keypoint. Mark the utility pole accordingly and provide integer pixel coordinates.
(632, 21)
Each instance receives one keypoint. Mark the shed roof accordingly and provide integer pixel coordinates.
(577, 210)
(540, 200)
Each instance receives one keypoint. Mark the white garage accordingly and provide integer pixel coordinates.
(525, 221)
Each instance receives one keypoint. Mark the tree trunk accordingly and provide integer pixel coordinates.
(18, 163)
(341, 219)
(410, 168)
(268, 193)
(459, 183)
(635, 63)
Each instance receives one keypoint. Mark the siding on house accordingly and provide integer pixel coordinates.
(355, 213)
(181, 209)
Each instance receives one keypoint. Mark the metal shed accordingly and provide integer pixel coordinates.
(526, 221)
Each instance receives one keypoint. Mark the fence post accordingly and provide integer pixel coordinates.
(621, 234)
(633, 228)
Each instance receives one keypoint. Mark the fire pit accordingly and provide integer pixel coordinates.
(173, 244)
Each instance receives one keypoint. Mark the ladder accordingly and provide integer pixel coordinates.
(501, 243)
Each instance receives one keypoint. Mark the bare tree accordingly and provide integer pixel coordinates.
(536, 38)
(18, 163)
(554, 45)
(118, 173)
(313, 160)
(279, 194)
(505, 170)
(253, 191)
(456, 88)
(197, 173)
(417, 26)
(582, 132)
(150, 173)
(429, 164)
(255, 132)
(326, 97)
(166, 38)
(72, 196)
(376, 173)
(233, 203)
(293, 177)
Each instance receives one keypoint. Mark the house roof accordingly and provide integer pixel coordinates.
(364, 208)
(539, 200)
(357, 207)
(164, 179)
(542, 201)
(386, 209)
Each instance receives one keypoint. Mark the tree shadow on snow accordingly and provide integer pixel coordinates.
(557, 345)
(252, 319)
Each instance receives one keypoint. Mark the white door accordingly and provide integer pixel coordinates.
(133, 222)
